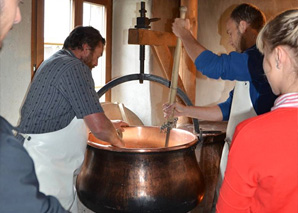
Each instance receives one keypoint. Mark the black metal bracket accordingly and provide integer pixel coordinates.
(143, 23)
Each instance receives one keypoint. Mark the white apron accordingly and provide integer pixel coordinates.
(241, 110)
(57, 158)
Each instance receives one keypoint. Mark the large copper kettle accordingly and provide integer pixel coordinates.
(144, 177)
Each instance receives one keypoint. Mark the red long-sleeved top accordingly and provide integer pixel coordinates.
(262, 170)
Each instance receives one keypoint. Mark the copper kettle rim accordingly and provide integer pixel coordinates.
(179, 139)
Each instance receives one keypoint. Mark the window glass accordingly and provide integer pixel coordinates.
(57, 24)
(95, 15)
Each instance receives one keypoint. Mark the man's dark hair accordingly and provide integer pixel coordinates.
(83, 35)
(249, 13)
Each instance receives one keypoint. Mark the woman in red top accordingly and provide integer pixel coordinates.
(262, 170)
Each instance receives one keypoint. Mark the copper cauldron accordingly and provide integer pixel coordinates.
(145, 177)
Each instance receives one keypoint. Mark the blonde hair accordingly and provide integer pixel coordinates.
(282, 30)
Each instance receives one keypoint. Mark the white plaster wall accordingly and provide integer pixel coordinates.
(212, 35)
(15, 60)
(125, 59)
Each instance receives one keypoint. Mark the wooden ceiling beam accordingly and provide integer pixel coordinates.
(160, 43)
(151, 37)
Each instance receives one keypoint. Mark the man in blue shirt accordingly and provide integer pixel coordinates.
(245, 64)
(252, 94)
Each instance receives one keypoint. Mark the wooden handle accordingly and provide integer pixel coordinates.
(175, 70)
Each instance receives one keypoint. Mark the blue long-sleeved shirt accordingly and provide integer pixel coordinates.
(246, 66)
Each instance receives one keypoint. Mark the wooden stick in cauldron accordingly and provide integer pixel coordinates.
(171, 121)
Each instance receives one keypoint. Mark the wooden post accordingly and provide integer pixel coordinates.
(188, 70)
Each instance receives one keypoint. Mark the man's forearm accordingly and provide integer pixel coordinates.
(191, 45)
(212, 113)
(102, 128)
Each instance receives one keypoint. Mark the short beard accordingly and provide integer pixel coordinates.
(242, 44)
(88, 60)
